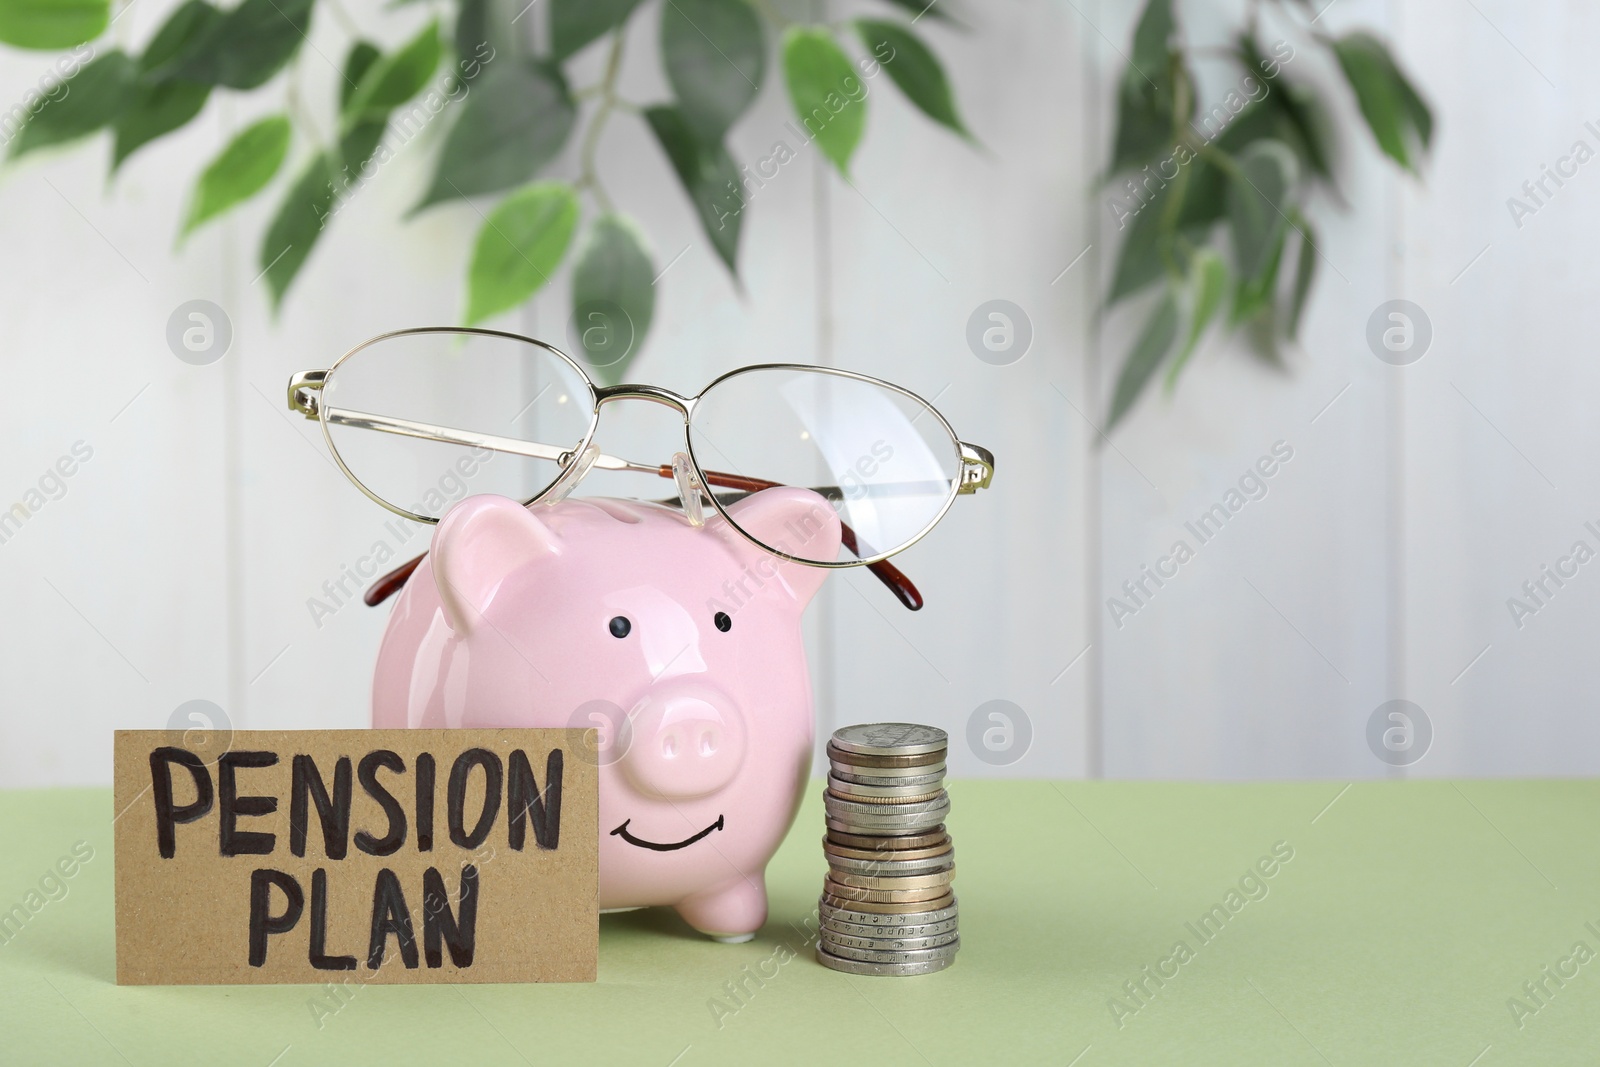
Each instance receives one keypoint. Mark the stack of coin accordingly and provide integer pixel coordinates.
(887, 904)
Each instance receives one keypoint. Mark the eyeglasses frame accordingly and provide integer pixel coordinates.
(975, 464)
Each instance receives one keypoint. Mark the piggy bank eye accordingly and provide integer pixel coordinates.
(722, 621)
(620, 626)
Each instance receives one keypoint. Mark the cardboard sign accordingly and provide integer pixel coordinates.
(355, 855)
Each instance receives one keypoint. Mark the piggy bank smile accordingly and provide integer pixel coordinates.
(664, 846)
(690, 635)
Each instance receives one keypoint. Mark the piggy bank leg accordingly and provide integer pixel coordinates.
(730, 913)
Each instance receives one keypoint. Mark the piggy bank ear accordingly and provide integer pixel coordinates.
(798, 521)
(479, 542)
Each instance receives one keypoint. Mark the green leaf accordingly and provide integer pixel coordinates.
(520, 245)
(1257, 196)
(914, 68)
(1396, 114)
(1139, 261)
(52, 24)
(1147, 121)
(396, 78)
(357, 62)
(1146, 355)
(827, 95)
(483, 30)
(1208, 286)
(1300, 122)
(1205, 196)
(715, 55)
(182, 26)
(156, 108)
(1152, 39)
(708, 176)
(240, 171)
(153, 111)
(575, 23)
(1257, 293)
(245, 47)
(297, 225)
(515, 120)
(1305, 273)
(613, 295)
(310, 202)
(95, 95)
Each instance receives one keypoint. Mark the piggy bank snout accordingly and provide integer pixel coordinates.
(688, 741)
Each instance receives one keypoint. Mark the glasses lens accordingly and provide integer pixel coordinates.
(509, 412)
(883, 459)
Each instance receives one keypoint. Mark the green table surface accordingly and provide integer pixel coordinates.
(1402, 931)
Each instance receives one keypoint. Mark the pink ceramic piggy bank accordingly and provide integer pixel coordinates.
(681, 644)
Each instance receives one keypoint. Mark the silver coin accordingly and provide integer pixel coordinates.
(868, 955)
(839, 926)
(884, 970)
(835, 806)
(863, 824)
(908, 868)
(890, 920)
(871, 943)
(891, 955)
(932, 774)
(890, 739)
(872, 793)
(902, 824)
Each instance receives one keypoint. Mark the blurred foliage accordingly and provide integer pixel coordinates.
(1213, 204)
(512, 115)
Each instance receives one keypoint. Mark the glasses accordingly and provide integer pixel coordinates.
(419, 418)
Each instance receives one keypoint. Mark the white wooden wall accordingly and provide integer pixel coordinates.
(179, 562)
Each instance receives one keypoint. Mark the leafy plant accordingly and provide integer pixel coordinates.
(1237, 178)
(511, 114)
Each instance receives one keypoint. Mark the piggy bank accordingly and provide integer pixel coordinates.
(681, 644)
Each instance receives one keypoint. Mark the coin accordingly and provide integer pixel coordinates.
(879, 869)
(836, 806)
(893, 882)
(887, 907)
(890, 739)
(885, 786)
(889, 933)
(932, 774)
(861, 760)
(861, 895)
(838, 963)
(943, 951)
(884, 855)
(858, 794)
(852, 824)
(934, 837)
(885, 868)
(860, 825)
(885, 944)
(888, 915)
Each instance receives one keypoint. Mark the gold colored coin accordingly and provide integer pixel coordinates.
(884, 896)
(879, 907)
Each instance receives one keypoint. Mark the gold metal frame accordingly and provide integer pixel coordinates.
(974, 464)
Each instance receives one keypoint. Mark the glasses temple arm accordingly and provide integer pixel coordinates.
(883, 570)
